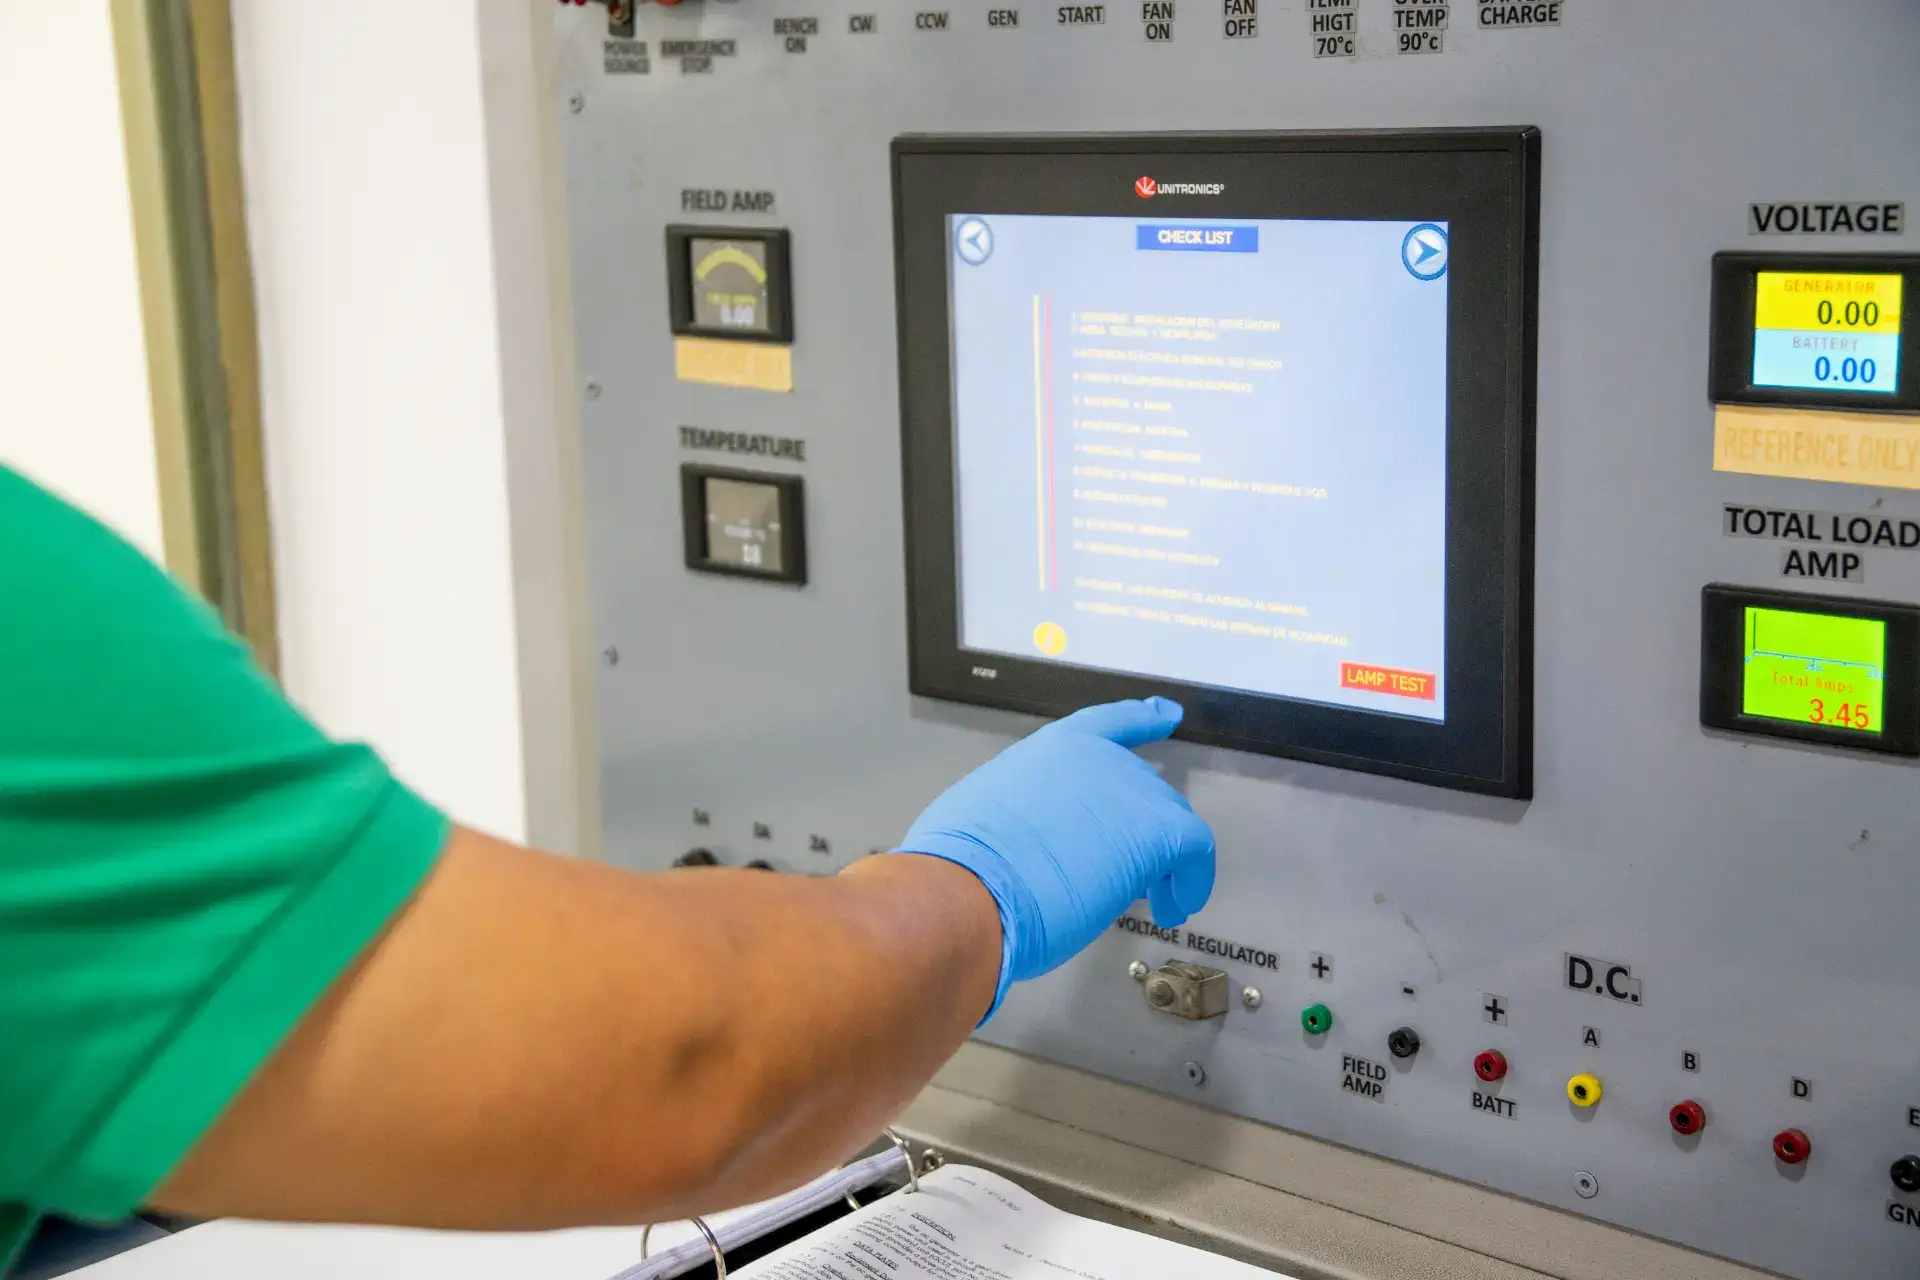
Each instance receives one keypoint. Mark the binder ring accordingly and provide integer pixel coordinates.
(913, 1174)
(713, 1243)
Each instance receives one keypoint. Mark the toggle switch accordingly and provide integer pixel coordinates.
(1190, 991)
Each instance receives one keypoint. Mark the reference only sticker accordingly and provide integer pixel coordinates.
(1846, 448)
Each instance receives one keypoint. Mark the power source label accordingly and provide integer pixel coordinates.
(1603, 978)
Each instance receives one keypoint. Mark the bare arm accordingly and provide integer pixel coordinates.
(539, 1042)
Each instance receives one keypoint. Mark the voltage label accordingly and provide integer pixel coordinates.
(1831, 218)
(1602, 977)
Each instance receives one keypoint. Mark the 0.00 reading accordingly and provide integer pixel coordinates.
(1851, 370)
(1855, 313)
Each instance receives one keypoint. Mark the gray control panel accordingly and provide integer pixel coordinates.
(1646, 969)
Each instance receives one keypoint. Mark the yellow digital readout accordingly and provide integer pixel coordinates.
(1828, 303)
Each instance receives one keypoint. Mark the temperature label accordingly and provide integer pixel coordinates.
(1335, 28)
(1816, 331)
(1419, 26)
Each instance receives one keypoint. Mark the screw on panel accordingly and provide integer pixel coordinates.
(612, 655)
(593, 389)
(1251, 998)
(1585, 1185)
(1138, 971)
(576, 102)
(1196, 1074)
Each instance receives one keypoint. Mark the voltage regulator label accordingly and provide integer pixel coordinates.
(1602, 977)
(1218, 948)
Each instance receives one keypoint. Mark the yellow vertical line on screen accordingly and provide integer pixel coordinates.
(1039, 447)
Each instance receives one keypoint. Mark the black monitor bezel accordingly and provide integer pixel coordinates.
(1722, 689)
(1736, 302)
(1485, 183)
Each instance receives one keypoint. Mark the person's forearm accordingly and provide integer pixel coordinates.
(540, 1042)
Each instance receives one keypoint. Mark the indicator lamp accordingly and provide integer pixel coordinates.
(1491, 1066)
(1404, 1042)
(1584, 1089)
(1316, 1018)
(1906, 1173)
(1792, 1146)
(1687, 1118)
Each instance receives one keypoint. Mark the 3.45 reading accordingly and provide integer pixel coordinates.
(1815, 668)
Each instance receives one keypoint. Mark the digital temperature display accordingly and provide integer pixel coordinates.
(1821, 331)
(1815, 668)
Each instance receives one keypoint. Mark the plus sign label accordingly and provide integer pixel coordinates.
(1493, 1009)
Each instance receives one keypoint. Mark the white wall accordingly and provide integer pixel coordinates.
(391, 406)
(74, 408)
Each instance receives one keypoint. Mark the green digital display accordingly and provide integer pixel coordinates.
(1815, 668)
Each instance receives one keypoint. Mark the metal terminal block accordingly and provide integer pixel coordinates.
(1190, 991)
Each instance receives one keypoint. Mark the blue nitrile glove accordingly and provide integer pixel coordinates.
(1067, 829)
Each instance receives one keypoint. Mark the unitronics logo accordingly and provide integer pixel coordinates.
(1147, 188)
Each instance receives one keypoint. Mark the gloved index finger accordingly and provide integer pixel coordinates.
(1131, 724)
